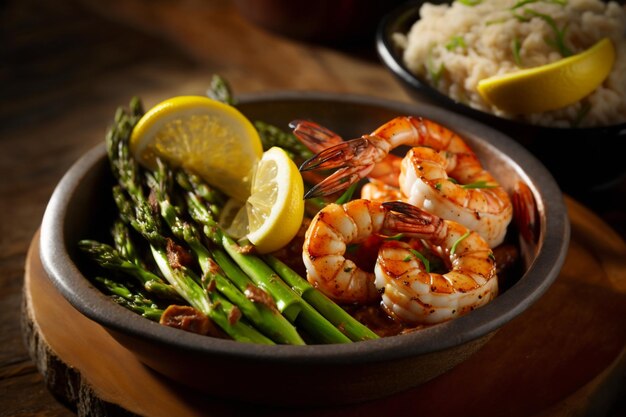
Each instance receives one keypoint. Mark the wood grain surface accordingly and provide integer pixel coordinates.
(66, 65)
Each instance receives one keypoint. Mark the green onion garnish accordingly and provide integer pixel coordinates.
(515, 49)
(459, 240)
(478, 184)
(347, 195)
(558, 42)
(421, 258)
(456, 41)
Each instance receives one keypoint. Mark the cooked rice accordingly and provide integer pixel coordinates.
(468, 43)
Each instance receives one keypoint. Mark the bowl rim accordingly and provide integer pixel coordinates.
(86, 298)
(387, 52)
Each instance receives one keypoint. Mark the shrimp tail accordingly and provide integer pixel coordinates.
(354, 159)
(407, 218)
(337, 181)
(314, 136)
(345, 154)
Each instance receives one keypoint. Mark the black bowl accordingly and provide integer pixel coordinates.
(81, 207)
(585, 161)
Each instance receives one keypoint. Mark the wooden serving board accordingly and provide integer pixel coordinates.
(566, 355)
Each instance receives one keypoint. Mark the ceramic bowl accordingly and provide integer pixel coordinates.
(566, 152)
(315, 374)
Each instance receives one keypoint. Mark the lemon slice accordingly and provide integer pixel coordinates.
(275, 207)
(206, 136)
(551, 86)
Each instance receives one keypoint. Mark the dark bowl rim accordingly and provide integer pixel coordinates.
(540, 275)
(386, 51)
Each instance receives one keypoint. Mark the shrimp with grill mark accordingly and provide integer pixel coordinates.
(337, 226)
(413, 294)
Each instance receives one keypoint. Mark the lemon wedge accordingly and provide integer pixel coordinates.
(211, 138)
(551, 86)
(275, 207)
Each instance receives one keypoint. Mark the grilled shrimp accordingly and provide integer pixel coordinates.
(442, 174)
(415, 295)
(337, 226)
(456, 187)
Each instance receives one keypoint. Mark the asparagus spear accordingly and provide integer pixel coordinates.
(211, 303)
(351, 327)
(308, 318)
(107, 257)
(133, 301)
(190, 181)
(123, 242)
(263, 316)
(220, 90)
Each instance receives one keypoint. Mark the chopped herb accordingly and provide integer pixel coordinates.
(452, 180)
(516, 46)
(584, 110)
(470, 2)
(478, 184)
(438, 186)
(347, 195)
(422, 258)
(395, 237)
(456, 41)
(496, 21)
(459, 240)
(522, 3)
(558, 42)
(407, 258)
(434, 73)
(491, 256)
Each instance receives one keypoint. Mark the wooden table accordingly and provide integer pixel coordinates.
(66, 65)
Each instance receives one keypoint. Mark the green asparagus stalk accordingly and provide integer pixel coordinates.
(123, 242)
(351, 327)
(308, 318)
(107, 257)
(220, 90)
(122, 295)
(190, 181)
(211, 303)
(288, 302)
(265, 318)
(123, 166)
